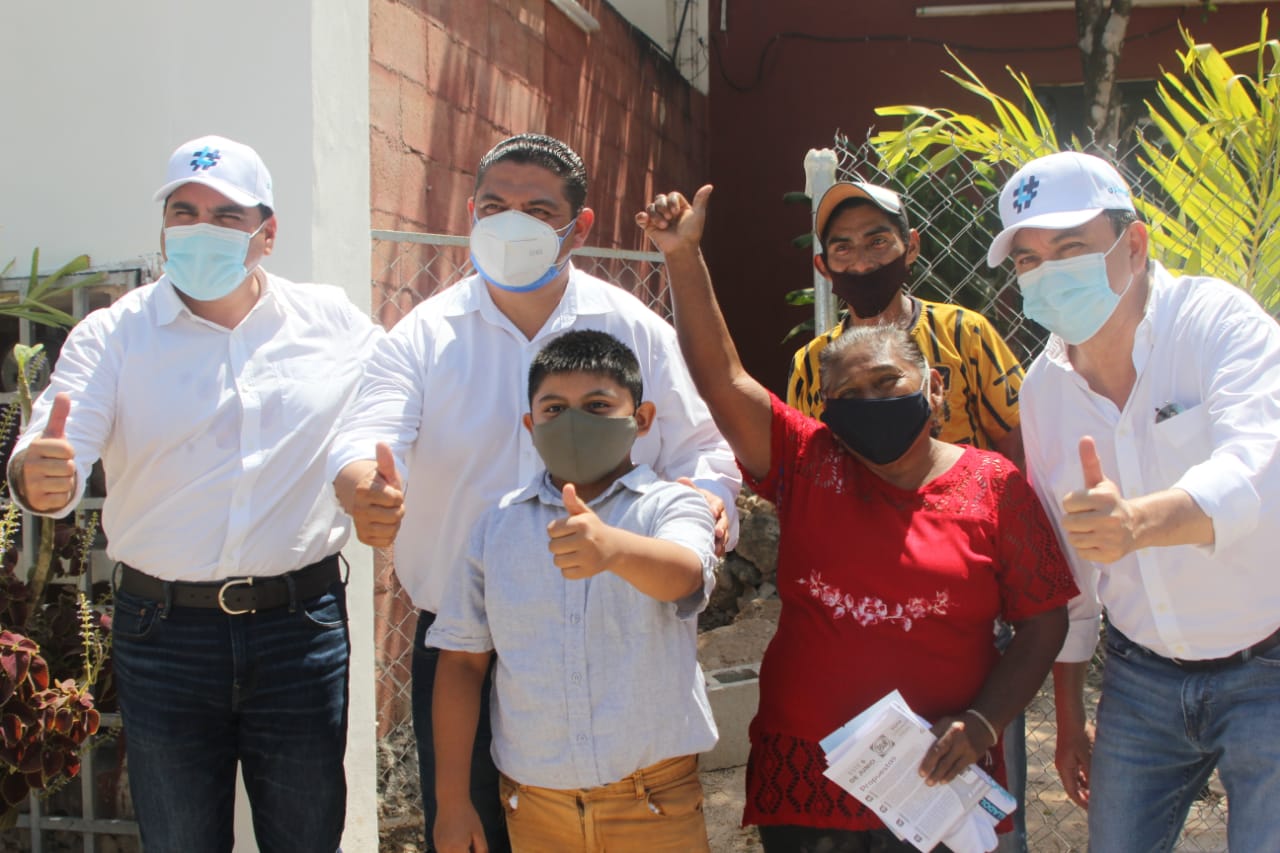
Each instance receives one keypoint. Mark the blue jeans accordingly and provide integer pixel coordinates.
(484, 774)
(200, 691)
(1161, 732)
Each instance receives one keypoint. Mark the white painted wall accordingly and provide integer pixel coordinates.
(95, 96)
(659, 20)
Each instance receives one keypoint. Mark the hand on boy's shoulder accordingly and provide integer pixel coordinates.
(718, 511)
(581, 541)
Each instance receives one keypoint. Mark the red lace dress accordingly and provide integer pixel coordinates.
(881, 589)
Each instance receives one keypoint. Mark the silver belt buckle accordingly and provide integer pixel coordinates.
(222, 603)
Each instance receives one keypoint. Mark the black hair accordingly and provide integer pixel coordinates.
(588, 351)
(899, 219)
(1120, 219)
(545, 151)
(264, 212)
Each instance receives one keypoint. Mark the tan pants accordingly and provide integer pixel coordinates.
(657, 809)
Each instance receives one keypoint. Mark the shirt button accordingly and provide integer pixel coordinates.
(575, 619)
(576, 678)
(582, 738)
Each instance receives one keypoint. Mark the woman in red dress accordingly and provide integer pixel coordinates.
(897, 552)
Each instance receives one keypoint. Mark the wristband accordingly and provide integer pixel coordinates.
(991, 730)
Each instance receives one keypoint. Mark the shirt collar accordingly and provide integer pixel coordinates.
(639, 479)
(169, 305)
(472, 296)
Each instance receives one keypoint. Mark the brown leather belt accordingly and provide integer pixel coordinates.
(1263, 646)
(236, 596)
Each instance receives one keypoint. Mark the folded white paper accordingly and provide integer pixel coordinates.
(876, 757)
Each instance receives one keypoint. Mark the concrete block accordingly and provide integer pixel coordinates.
(734, 694)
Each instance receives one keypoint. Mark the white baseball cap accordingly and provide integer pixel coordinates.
(1058, 191)
(231, 168)
(885, 199)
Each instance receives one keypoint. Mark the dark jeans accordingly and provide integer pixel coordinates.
(808, 839)
(201, 690)
(484, 775)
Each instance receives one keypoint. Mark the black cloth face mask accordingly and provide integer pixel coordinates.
(878, 430)
(868, 294)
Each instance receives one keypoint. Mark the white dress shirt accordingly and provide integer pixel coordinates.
(214, 440)
(1206, 350)
(447, 388)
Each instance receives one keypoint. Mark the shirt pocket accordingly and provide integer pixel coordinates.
(1180, 442)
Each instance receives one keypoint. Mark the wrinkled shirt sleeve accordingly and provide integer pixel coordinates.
(388, 407)
(462, 625)
(87, 369)
(686, 520)
(1084, 611)
(1242, 381)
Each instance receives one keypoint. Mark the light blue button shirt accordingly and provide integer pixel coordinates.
(594, 679)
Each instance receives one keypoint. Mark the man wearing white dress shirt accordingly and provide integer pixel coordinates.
(444, 393)
(1150, 423)
(211, 397)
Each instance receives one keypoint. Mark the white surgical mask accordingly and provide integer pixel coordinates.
(206, 261)
(517, 252)
(1071, 297)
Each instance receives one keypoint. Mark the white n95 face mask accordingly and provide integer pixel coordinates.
(517, 252)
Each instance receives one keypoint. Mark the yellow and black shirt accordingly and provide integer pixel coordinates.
(979, 372)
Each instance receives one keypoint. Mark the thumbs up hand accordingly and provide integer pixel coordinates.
(1100, 524)
(371, 492)
(672, 222)
(581, 543)
(48, 470)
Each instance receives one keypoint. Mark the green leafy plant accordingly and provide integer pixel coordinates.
(36, 303)
(1213, 166)
(1219, 166)
(53, 641)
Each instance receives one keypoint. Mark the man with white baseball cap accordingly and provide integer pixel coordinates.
(211, 397)
(1150, 427)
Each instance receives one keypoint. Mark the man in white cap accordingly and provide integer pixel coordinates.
(1150, 427)
(867, 249)
(211, 397)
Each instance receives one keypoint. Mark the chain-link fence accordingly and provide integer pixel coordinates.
(409, 268)
(955, 210)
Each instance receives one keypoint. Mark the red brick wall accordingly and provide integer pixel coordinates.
(449, 78)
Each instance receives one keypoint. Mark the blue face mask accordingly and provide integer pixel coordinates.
(205, 261)
(1072, 297)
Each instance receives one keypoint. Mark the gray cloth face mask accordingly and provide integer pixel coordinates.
(581, 448)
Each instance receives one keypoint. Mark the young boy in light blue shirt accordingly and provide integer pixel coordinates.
(586, 586)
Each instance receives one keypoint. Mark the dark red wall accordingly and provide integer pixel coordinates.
(804, 90)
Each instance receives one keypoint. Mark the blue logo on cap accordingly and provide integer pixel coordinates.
(1025, 192)
(205, 158)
